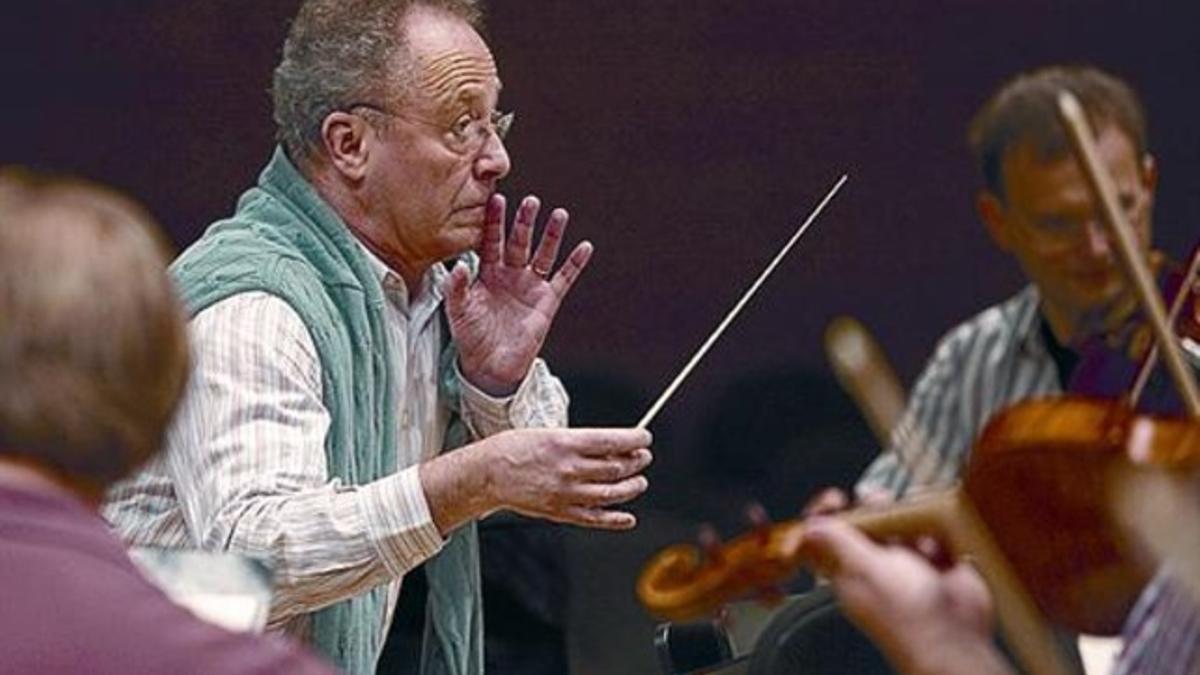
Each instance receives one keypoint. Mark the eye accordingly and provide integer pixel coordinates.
(462, 126)
(1056, 224)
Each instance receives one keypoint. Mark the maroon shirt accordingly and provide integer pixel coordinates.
(71, 601)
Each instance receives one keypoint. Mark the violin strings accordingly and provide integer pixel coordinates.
(716, 334)
(1120, 236)
(1151, 362)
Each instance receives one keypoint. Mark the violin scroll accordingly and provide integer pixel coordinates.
(683, 582)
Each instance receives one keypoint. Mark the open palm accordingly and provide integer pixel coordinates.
(500, 320)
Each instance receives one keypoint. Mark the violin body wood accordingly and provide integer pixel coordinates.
(1041, 477)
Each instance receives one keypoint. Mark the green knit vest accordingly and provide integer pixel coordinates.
(285, 240)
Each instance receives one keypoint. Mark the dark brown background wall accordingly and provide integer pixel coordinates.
(687, 138)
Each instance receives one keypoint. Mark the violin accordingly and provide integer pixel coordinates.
(1120, 361)
(1036, 488)
(1034, 508)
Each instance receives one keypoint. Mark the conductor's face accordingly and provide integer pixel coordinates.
(440, 153)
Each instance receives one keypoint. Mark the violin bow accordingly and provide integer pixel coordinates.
(1120, 235)
(865, 374)
(716, 334)
(1149, 502)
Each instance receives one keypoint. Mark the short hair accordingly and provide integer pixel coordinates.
(1024, 110)
(93, 340)
(339, 52)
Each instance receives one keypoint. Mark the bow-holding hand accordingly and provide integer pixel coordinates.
(500, 320)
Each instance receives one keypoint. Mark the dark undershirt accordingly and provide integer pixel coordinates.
(1065, 360)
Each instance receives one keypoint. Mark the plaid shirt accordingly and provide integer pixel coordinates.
(245, 469)
(995, 359)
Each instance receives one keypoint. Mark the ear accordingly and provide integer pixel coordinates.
(1149, 173)
(347, 140)
(991, 211)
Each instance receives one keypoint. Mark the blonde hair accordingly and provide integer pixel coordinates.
(93, 346)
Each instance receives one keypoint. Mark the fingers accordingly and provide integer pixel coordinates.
(572, 268)
(827, 501)
(516, 251)
(836, 549)
(875, 497)
(600, 519)
(600, 442)
(614, 468)
(571, 475)
(607, 494)
(493, 231)
(547, 250)
(965, 584)
(934, 551)
(455, 289)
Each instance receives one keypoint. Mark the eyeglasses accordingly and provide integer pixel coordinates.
(1062, 232)
(466, 136)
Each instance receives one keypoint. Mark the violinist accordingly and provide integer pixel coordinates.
(1037, 207)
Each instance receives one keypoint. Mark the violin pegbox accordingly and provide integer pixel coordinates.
(686, 581)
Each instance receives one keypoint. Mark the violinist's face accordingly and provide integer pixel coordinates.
(1048, 223)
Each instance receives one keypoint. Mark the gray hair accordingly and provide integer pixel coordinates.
(1024, 110)
(339, 52)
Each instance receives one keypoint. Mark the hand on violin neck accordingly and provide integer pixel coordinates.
(926, 620)
(826, 502)
(833, 500)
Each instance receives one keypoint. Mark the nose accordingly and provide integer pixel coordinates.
(493, 162)
(1096, 239)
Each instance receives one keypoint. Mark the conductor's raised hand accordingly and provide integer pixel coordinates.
(500, 320)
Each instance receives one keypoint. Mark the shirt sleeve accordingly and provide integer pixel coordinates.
(1162, 631)
(930, 440)
(246, 456)
(540, 401)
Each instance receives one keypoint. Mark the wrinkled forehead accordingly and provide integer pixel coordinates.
(450, 60)
(452, 75)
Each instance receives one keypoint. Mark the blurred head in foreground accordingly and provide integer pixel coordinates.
(93, 349)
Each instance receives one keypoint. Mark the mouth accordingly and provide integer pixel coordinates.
(1096, 273)
(472, 209)
(1098, 283)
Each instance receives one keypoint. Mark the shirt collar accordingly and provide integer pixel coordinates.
(1027, 318)
(395, 288)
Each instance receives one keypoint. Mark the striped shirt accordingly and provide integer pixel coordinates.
(245, 468)
(995, 359)
(1162, 633)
